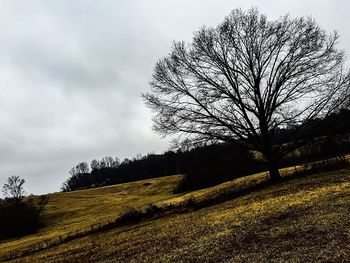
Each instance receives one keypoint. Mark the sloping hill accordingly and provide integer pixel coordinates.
(67, 214)
(75, 211)
(301, 220)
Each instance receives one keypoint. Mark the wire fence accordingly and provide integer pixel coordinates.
(50, 242)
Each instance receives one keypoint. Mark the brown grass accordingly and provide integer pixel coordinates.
(75, 211)
(301, 220)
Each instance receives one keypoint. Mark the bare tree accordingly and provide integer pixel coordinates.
(109, 161)
(82, 168)
(116, 162)
(243, 80)
(95, 165)
(14, 187)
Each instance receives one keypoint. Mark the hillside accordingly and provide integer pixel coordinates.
(71, 212)
(303, 219)
(74, 211)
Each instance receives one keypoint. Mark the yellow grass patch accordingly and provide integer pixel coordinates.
(306, 219)
(68, 212)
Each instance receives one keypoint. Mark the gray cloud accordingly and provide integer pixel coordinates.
(71, 75)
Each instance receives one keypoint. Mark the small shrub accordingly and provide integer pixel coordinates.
(169, 206)
(131, 215)
(189, 201)
(151, 209)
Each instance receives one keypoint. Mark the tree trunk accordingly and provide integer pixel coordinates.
(272, 164)
(274, 173)
(270, 155)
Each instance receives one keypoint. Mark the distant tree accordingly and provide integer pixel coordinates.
(66, 186)
(103, 164)
(95, 165)
(243, 80)
(116, 162)
(14, 188)
(126, 161)
(108, 161)
(73, 171)
(82, 168)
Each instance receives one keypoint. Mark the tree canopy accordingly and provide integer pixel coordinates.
(14, 187)
(247, 78)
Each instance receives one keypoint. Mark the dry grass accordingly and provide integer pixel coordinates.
(72, 211)
(301, 220)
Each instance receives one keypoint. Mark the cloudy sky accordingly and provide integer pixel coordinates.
(71, 75)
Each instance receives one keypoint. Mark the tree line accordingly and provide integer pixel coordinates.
(207, 165)
(215, 163)
(103, 172)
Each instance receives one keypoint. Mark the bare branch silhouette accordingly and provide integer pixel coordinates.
(246, 78)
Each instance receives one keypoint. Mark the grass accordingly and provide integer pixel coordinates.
(68, 212)
(304, 219)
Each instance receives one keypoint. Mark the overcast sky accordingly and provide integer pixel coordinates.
(71, 75)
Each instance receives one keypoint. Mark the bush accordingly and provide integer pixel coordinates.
(131, 215)
(189, 201)
(20, 216)
(151, 209)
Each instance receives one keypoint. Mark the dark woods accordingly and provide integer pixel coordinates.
(21, 216)
(154, 165)
(209, 165)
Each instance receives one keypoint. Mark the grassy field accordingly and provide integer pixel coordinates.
(72, 211)
(305, 219)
